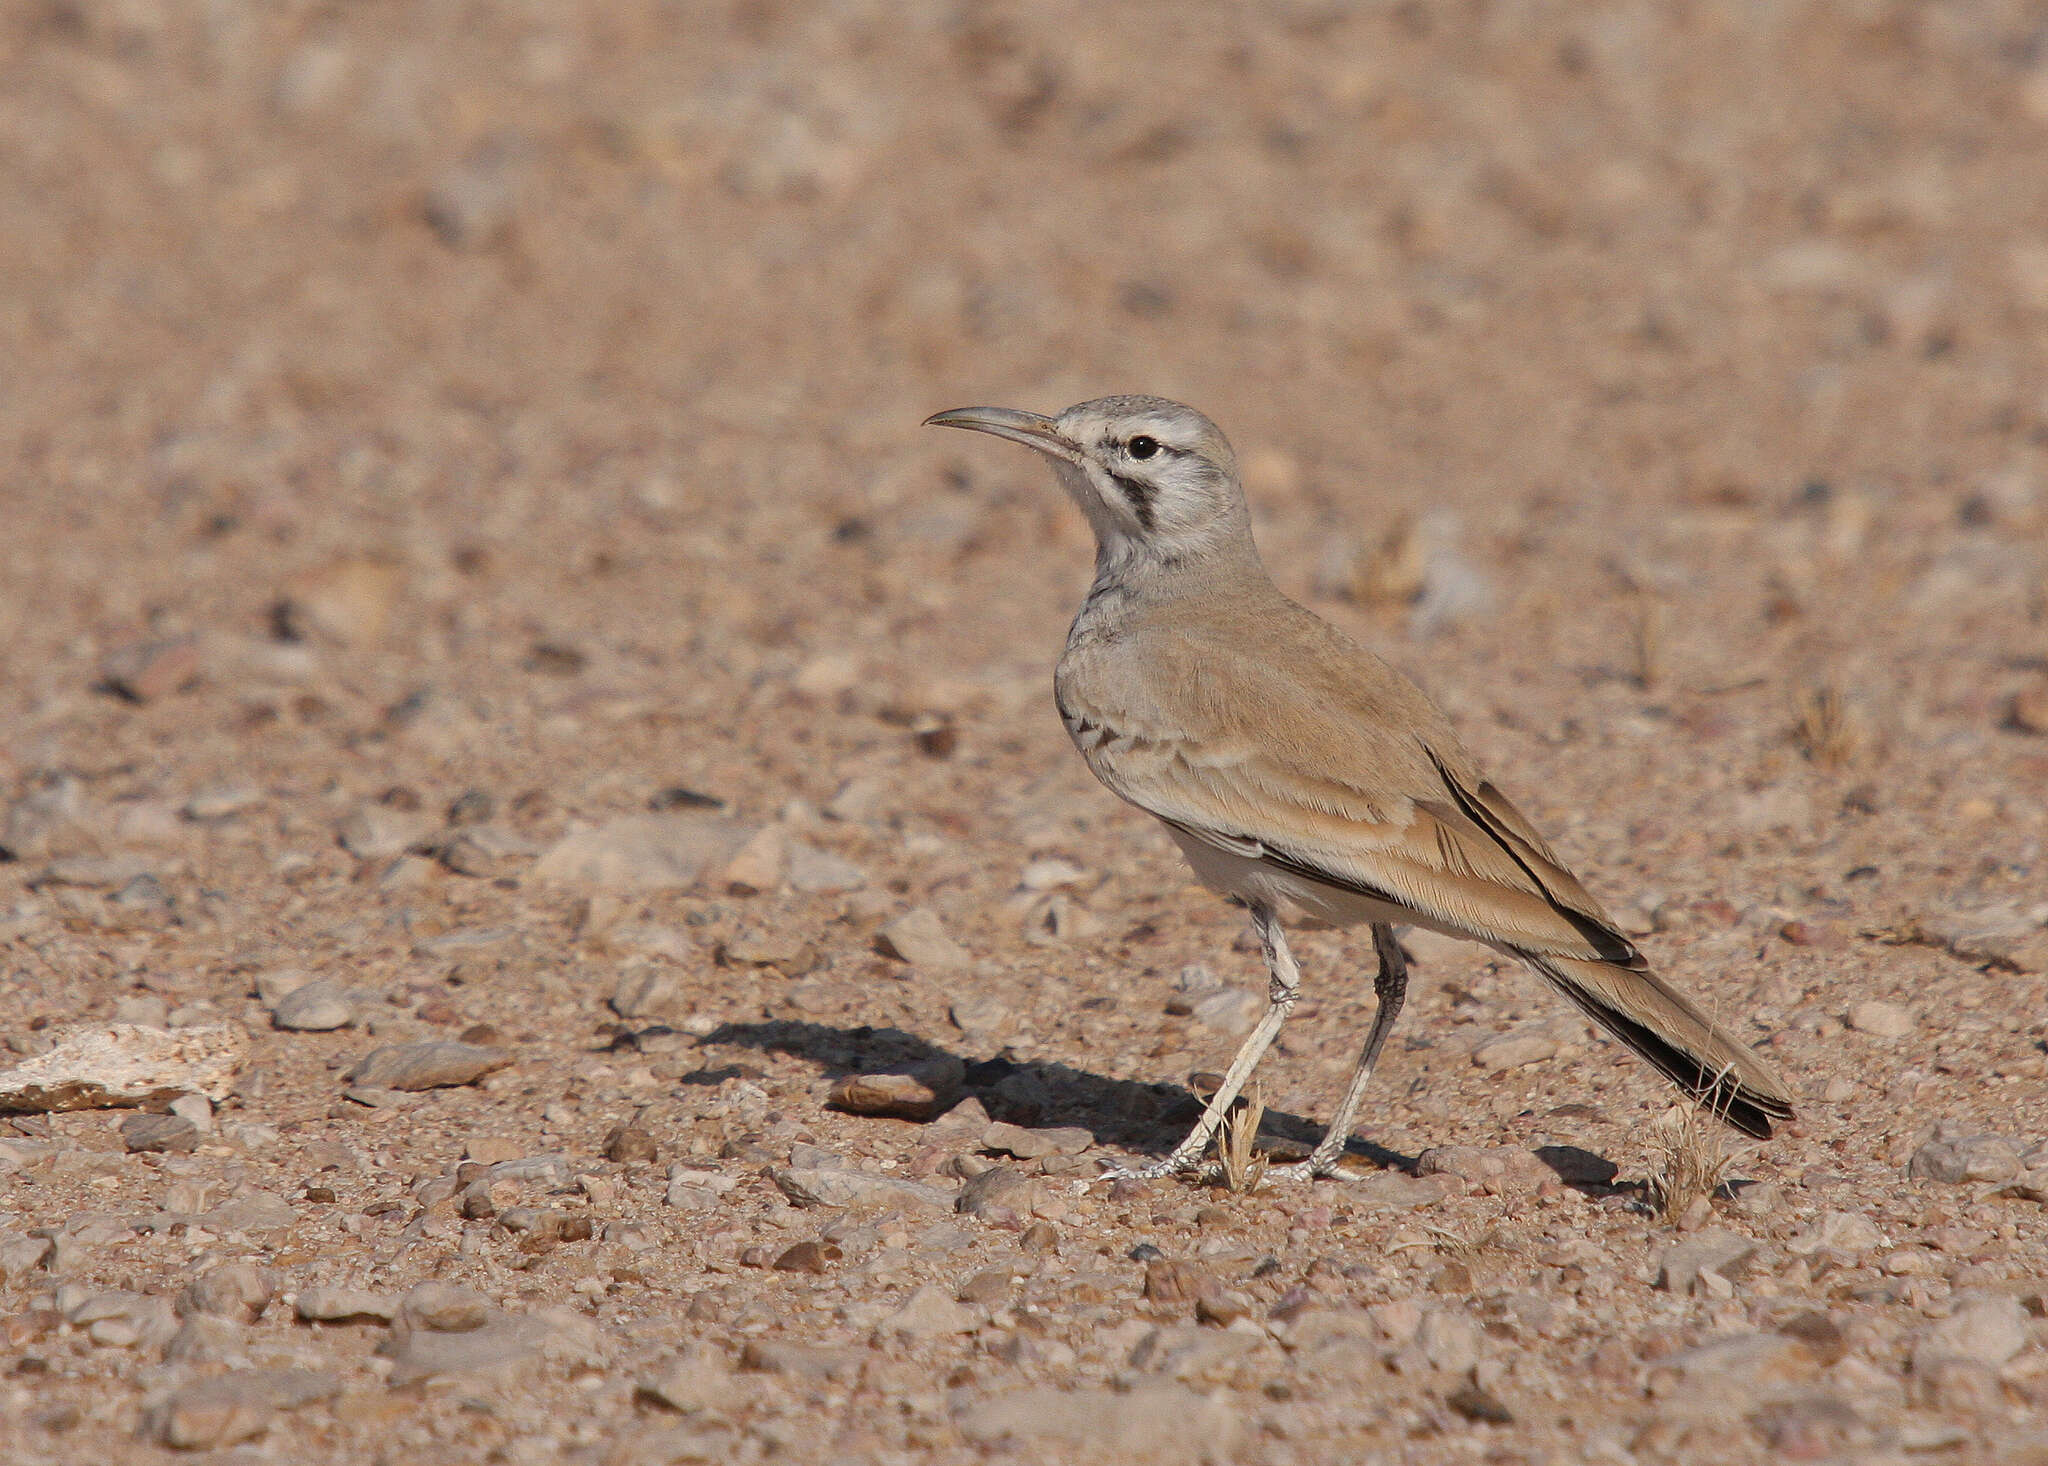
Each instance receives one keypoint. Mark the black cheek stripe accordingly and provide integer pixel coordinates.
(1140, 496)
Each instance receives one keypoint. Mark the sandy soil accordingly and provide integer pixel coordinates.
(436, 434)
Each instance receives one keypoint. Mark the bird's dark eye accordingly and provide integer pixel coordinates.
(1142, 446)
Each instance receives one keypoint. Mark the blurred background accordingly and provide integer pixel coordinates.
(436, 434)
(529, 394)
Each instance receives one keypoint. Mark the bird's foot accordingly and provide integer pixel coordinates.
(1308, 1170)
(1157, 1171)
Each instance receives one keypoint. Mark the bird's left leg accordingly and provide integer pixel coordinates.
(1282, 988)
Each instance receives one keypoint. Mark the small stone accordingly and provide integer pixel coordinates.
(979, 1014)
(471, 204)
(629, 1145)
(1880, 1019)
(434, 1064)
(218, 802)
(144, 671)
(696, 1380)
(206, 1339)
(1501, 1170)
(274, 984)
(782, 949)
(147, 1010)
(1392, 1191)
(818, 872)
(319, 1006)
(1173, 1283)
(930, 1313)
(194, 1107)
(1685, 1267)
(2001, 933)
(146, 1133)
(236, 1290)
(918, 938)
(1818, 1332)
(1986, 1329)
(757, 866)
(925, 1092)
(1810, 1427)
(1031, 1145)
(1221, 1307)
(1051, 875)
(484, 852)
(808, 1257)
(1530, 1044)
(1957, 1385)
(24, 1255)
(253, 1211)
(120, 1319)
(383, 831)
(1836, 1231)
(94, 872)
(834, 1187)
(1233, 1010)
(688, 1195)
(991, 1285)
(1478, 1404)
(1812, 933)
(1449, 1339)
(371, 1097)
(344, 1305)
(651, 992)
(642, 852)
(348, 600)
(91, 1066)
(1152, 1422)
(51, 819)
(860, 798)
(232, 1407)
(502, 1347)
(1000, 1197)
(1909, 1262)
(2028, 710)
(804, 1361)
(445, 1308)
(1962, 1159)
(1738, 1362)
(1193, 1354)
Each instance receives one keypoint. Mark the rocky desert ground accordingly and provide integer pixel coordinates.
(535, 779)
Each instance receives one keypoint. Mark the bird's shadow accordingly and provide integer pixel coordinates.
(1145, 1118)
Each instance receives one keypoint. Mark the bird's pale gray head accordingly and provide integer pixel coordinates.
(1156, 479)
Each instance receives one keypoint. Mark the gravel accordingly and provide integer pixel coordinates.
(478, 601)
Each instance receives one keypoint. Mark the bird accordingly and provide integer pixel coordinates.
(1299, 772)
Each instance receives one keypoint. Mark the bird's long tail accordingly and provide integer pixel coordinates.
(1673, 1034)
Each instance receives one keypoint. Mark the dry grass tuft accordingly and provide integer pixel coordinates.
(1243, 1166)
(1691, 1147)
(1393, 572)
(1652, 620)
(1827, 727)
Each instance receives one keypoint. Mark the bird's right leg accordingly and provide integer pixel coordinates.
(1390, 987)
(1283, 986)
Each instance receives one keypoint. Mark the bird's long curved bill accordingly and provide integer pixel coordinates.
(1032, 429)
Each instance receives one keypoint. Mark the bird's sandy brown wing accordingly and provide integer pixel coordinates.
(1340, 770)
